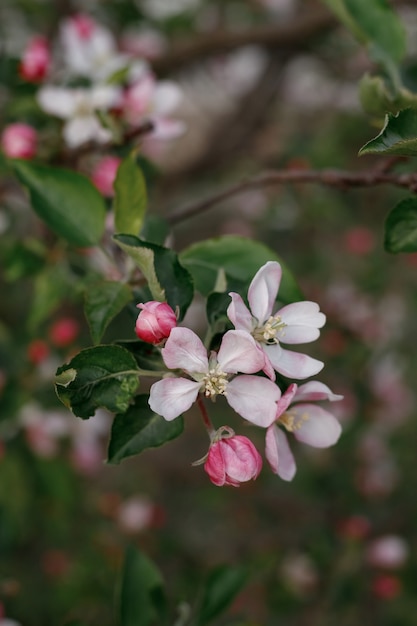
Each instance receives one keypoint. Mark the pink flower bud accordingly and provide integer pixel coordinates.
(155, 321)
(64, 332)
(386, 587)
(104, 175)
(232, 460)
(19, 141)
(36, 60)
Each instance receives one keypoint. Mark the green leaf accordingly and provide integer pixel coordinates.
(399, 136)
(130, 197)
(67, 201)
(240, 258)
(155, 229)
(377, 98)
(138, 429)
(142, 599)
(167, 279)
(104, 376)
(103, 301)
(148, 357)
(50, 287)
(223, 584)
(401, 227)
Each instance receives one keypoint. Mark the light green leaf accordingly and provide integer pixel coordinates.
(399, 136)
(138, 429)
(222, 586)
(50, 287)
(103, 301)
(401, 227)
(130, 197)
(240, 259)
(67, 201)
(106, 376)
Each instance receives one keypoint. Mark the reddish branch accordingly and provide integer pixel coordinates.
(329, 177)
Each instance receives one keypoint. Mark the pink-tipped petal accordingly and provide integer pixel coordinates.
(263, 290)
(316, 427)
(239, 314)
(292, 364)
(185, 350)
(304, 313)
(278, 453)
(314, 391)
(240, 353)
(170, 397)
(286, 399)
(254, 398)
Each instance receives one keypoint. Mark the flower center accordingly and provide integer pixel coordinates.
(268, 332)
(293, 422)
(215, 382)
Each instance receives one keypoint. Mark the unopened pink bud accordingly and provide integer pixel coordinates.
(19, 141)
(84, 25)
(386, 587)
(36, 60)
(104, 175)
(155, 321)
(232, 460)
(64, 331)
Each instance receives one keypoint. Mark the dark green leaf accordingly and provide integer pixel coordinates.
(155, 229)
(67, 201)
(104, 376)
(223, 584)
(103, 301)
(168, 280)
(148, 357)
(240, 258)
(138, 429)
(399, 135)
(401, 227)
(130, 197)
(142, 600)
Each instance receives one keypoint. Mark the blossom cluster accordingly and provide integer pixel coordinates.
(243, 370)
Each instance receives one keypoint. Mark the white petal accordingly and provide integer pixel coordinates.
(292, 364)
(278, 453)
(238, 313)
(254, 398)
(304, 313)
(263, 290)
(82, 129)
(314, 391)
(318, 427)
(167, 97)
(240, 353)
(286, 399)
(57, 101)
(170, 397)
(185, 350)
(104, 97)
(165, 128)
(298, 334)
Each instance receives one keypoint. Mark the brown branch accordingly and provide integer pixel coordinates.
(330, 177)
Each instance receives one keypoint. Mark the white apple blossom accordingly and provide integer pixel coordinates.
(78, 107)
(309, 423)
(295, 323)
(253, 397)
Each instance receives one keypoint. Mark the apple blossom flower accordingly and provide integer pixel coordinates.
(295, 323)
(104, 174)
(309, 423)
(18, 141)
(155, 321)
(78, 106)
(253, 397)
(232, 459)
(36, 60)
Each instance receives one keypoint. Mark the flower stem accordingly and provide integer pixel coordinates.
(207, 421)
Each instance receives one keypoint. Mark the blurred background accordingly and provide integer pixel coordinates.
(265, 85)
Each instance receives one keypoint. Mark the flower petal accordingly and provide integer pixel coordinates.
(254, 398)
(314, 391)
(292, 364)
(170, 397)
(278, 453)
(302, 321)
(318, 427)
(185, 350)
(240, 353)
(286, 399)
(81, 129)
(238, 313)
(57, 101)
(263, 290)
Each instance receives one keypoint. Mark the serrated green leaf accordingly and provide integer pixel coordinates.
(67, 201)
(142, 599)
(103, 301)
(399, 136)
(138, 429)
(223, 584)
(401, 227)
(130, 198)
(167, 279)
(240, 259)
(378, 99)
(106, 376)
